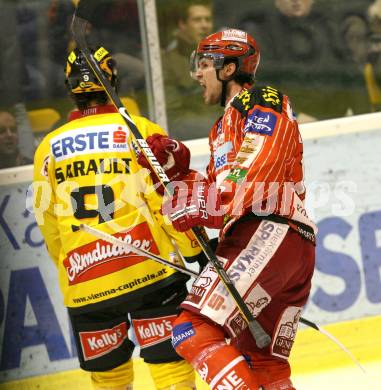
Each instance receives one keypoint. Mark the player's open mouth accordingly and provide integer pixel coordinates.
(203, 86)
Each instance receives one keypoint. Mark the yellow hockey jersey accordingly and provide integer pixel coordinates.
(87, 172)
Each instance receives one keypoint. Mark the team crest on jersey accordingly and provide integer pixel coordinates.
(262, 122)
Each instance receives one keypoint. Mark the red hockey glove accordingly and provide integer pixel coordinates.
(172, 155)
(194, 203)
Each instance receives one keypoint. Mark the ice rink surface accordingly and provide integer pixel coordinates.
(346, 378)
(316, 361)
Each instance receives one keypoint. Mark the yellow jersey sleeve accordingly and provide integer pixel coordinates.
(44, 201)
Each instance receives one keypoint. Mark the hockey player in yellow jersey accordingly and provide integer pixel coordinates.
(87, 172)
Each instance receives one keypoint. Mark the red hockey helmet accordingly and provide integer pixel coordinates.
(230, 43)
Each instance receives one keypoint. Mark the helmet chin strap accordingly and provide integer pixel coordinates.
(224, 86)
(223, 92)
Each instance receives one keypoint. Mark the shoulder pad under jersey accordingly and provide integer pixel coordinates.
(263, 96)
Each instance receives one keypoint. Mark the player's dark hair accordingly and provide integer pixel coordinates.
(240, 78)
(85, 100)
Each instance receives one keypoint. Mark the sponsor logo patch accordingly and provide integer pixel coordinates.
(151, 331)
(261, 122)
(220, 140)
(243, 272)
(202, 285)
(95, 139)
(220, 162)
(220, 155)
(244, 99)
(119, 136)
(98, 343)
(256, 301)
(286, 332)
(229, 378)
(100, 53)
(100, 258)
(254, 258)
(236, 175)
(249, 150)
(271, 96)
(181, 333)
(219, 132)
(234, 35)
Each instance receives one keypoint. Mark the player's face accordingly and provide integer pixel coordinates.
(8, 134)
(207, 78)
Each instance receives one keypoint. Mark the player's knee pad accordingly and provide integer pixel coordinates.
(119, 378)
(202, 343)
(174, 376)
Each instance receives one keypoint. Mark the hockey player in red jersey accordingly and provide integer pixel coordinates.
(254, 194)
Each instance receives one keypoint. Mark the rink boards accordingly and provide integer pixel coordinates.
(343, 170)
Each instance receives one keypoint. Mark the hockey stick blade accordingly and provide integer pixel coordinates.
(79, 25)
(117, 241)
(335, 340)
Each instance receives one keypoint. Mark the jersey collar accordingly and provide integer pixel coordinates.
(106, 109)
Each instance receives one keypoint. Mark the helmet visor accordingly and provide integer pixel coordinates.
(201, 60)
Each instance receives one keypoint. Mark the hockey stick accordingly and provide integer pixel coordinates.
(80, 22)
(334, 339)
(142, 252)
(117, 241)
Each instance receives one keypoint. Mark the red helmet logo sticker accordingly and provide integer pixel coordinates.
(234, 35)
